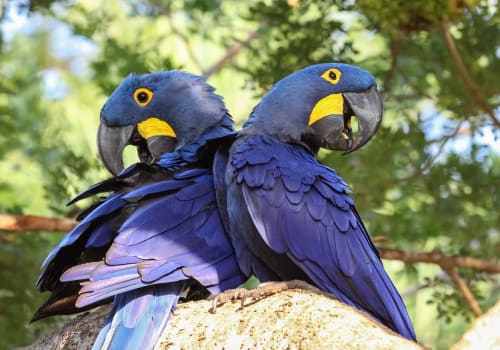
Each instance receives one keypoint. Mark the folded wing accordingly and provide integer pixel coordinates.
(303, 209)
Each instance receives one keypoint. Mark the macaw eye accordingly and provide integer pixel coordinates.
(332, 75)
(142, 96)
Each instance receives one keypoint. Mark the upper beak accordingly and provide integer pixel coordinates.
(112, 140)
(335, 132)
(368, 108)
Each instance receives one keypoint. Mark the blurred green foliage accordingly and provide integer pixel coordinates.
(427, 181)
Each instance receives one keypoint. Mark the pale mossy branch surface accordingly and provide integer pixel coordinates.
(484, 332)
(292, 319)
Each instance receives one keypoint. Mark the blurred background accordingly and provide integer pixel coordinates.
(426, 186)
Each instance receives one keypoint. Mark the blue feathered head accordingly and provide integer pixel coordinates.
(314, 107)
(159, 113)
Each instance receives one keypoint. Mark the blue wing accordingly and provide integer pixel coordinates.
(172, 241)
(171, 236)
(97, 225)
(90, 239)
(159, 236)
(302, 209)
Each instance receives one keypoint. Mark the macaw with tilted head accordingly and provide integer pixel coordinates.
(289, 216)
(158, 236)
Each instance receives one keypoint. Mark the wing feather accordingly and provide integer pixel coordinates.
(317, 226)
(170, 238)
(153, 233)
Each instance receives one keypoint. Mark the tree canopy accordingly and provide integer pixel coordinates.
(427, 183)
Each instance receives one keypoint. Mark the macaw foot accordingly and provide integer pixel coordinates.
(262, 291)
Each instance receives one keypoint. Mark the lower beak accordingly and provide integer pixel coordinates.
(335, 132)
(156, 146)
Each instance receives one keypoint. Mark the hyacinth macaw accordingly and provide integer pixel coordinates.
(158, 235)
(289, 216)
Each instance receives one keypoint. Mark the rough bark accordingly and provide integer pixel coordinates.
(292, 319)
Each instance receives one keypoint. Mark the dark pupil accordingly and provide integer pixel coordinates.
(332, 75)
(142, 96)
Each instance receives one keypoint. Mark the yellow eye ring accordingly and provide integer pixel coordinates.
(143, 96)
(332, 75)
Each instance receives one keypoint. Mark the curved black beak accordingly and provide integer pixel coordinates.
(368, 108)
(335, 132)
(112, 140)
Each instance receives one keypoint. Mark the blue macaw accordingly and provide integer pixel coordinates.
(289, 216)
(158, 236)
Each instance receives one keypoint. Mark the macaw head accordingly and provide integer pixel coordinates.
(158, 113)
(314, 106)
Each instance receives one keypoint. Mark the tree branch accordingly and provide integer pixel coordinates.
(291, 319)
(429, 162)
(231, 52)
(428, 282)
(23, 223)
(431, 159)
(464, 289)
(462, 71)
(32, 223)
(7, 238)
(184, 39)
(448, 264)
(395, 47)
(438, 258)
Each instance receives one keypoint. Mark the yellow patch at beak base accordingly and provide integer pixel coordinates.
(329, 105)
(155, 127)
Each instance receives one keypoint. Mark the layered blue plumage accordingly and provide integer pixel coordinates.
(162, 237)
(158, 236)
(302, 210)
(289, 216)
(174, 239)
(174, 233)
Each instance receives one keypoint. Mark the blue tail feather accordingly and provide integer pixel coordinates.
(138, 318)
